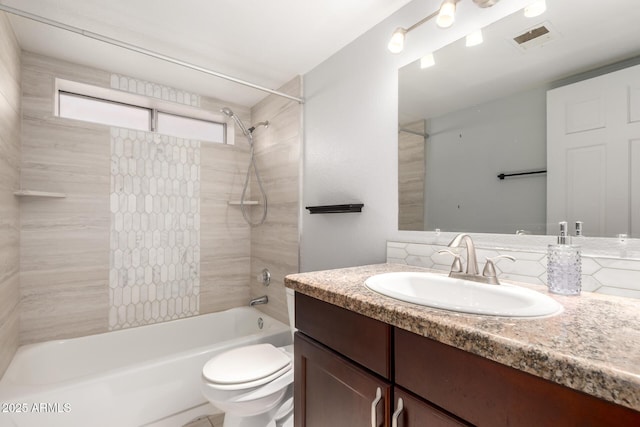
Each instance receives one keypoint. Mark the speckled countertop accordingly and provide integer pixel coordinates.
(593, 346)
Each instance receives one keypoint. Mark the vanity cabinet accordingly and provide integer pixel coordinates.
(488, 393)
(343, 358)
(343, 372)
(330, 390)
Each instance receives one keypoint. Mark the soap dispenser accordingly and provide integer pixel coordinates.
(564, 265)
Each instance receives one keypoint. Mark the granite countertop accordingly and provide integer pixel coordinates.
(593, 346)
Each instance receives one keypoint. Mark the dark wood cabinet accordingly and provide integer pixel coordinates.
(418, 412)
(342, 358)
(362, 339)
(332, 391)
(487, 393)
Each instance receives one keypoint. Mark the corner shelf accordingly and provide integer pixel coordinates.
(246, 203)
(325, 209)
(33, 193)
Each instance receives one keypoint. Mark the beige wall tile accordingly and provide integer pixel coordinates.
(274, 245)
(64, 242)
(224, 236)
(411, 176)
(9, 338)
(10, 79)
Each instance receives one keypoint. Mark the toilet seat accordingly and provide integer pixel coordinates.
(246, 367)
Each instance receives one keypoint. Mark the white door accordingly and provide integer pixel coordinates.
(593, 154)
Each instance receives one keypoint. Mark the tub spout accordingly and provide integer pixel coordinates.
(260, 300)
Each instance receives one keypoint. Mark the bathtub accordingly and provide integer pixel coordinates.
(145, 376)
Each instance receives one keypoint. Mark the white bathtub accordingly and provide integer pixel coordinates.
(149, 375)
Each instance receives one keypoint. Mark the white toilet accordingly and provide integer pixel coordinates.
(253, 385)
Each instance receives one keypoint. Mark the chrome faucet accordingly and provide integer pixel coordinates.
(260, 300)
(472, 262)
(472, 273)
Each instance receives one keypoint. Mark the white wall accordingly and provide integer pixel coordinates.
(473, 146)
(350, 141)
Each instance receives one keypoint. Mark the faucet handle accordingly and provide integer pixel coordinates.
(456, 267)
(490, 268)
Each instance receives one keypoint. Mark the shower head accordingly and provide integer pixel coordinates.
(229, 113)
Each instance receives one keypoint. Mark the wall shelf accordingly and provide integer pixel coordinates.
(325, 209)
(34, 193)
(246, 202)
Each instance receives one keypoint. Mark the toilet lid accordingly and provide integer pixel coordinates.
(246, 364)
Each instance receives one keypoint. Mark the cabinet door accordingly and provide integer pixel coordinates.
(416, 412)
(332, 391)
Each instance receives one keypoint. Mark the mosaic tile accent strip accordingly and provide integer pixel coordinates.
(155, 228)
(620, 277)
(154, 90)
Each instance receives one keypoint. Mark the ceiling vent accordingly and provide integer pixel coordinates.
(535, 37)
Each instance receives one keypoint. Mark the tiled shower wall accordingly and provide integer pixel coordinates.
(611, 276)
(154, 90)
(65, 243)
(10, 78)
(274, 245)
(155, 228)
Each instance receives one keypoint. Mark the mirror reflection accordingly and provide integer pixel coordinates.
(551, 104)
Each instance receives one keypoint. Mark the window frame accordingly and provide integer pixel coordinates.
(154, 105)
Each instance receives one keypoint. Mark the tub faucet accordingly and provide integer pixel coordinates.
(260, 300)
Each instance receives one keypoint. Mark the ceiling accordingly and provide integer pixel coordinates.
(585, 35)
(265, 42)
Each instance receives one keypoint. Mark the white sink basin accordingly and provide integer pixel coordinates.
(463, 296)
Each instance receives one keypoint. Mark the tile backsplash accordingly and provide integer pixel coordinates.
(612, 276)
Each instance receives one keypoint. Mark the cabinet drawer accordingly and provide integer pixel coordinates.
(360, 338)
(487, 393)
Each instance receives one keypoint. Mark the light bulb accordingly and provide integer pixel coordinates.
(535, 9)
(473, 39)
(447, 14)
(396, 44)
(427, 61)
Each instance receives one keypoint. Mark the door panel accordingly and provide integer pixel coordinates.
(590, 128)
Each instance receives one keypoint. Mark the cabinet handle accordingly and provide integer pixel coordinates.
(396, 415)
(374, 406)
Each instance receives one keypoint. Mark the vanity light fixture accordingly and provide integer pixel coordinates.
(447, 14)
(535, 9)
(444, 19)
(474, 38)
(427, 61)
(396, 44)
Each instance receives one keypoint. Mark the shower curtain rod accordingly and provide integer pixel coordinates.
(141, 50)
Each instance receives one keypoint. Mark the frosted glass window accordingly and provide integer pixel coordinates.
(189, 128)
(94, 110)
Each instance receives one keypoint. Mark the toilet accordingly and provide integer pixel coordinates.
(253, 384)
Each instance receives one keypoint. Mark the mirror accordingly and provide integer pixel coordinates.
(481, 112)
